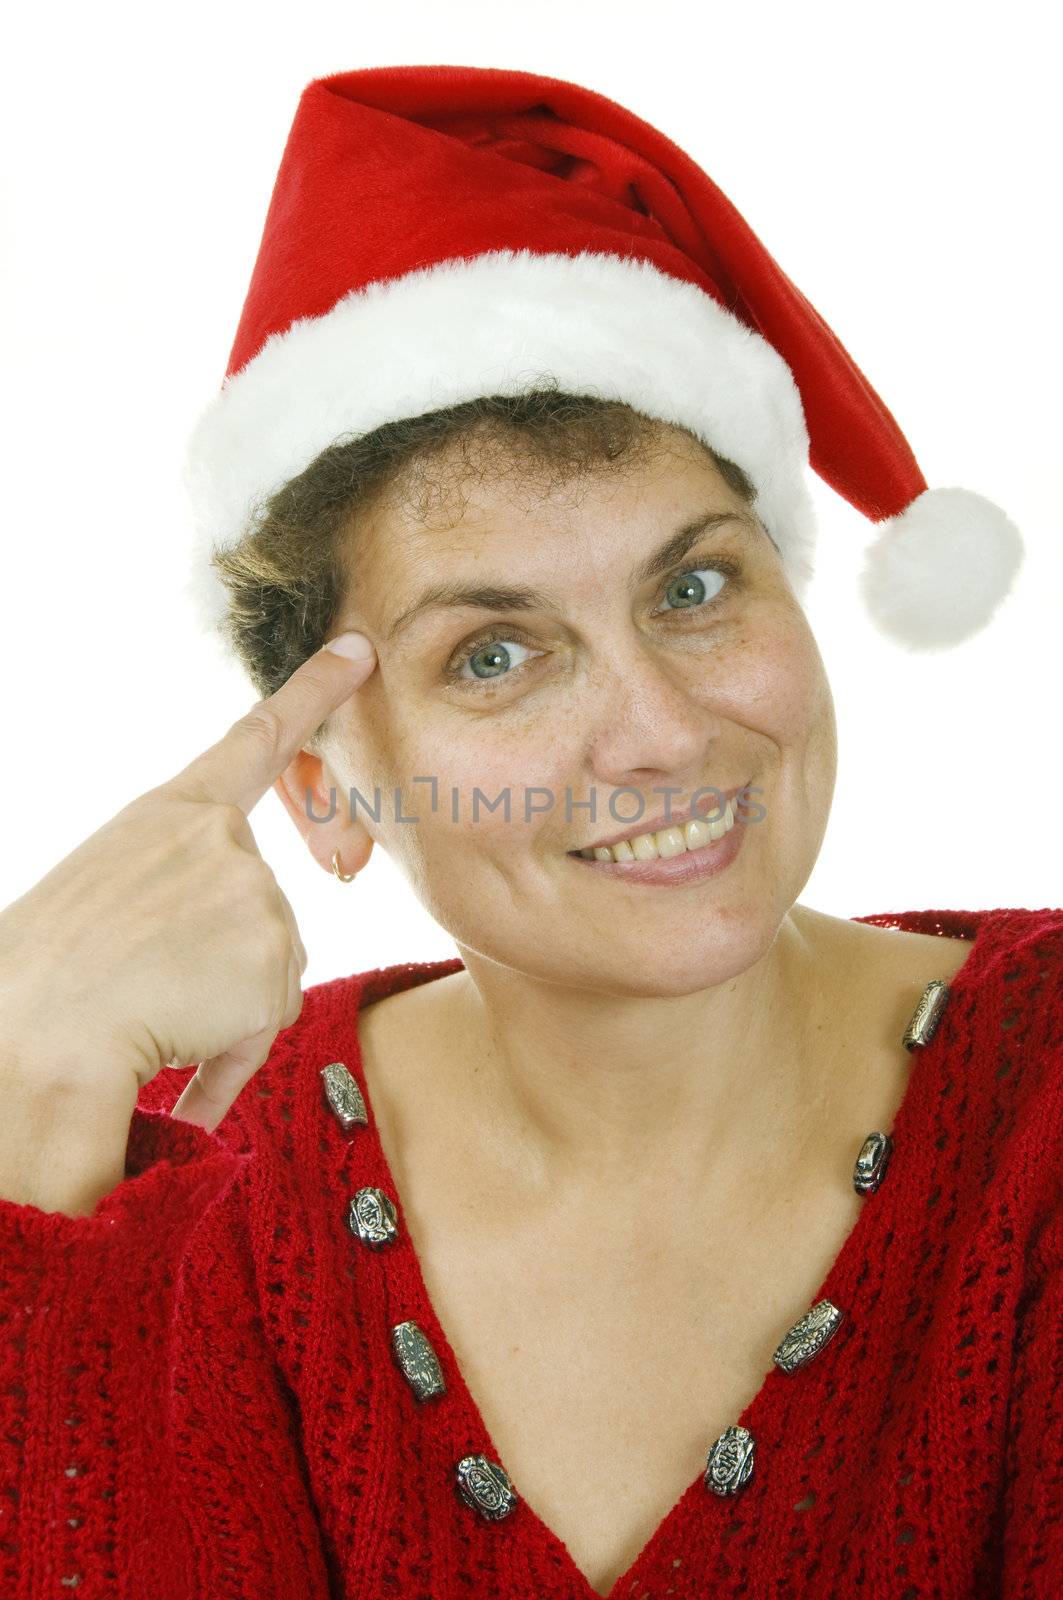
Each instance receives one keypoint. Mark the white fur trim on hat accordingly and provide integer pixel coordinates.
(935, 574)
(496, 324)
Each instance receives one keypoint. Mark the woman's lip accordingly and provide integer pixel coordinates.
(705, 862)
(677, 819)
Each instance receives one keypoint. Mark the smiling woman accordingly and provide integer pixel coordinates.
(674, 1237)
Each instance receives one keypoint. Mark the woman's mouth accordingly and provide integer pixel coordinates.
(666, 842)
(676, 854)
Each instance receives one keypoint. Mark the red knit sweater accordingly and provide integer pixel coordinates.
(199, 1399)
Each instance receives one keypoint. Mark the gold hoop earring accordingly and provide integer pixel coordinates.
(344, 877)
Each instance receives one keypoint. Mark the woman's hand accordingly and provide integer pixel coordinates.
(165, 938)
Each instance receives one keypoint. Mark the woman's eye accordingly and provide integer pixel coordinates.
(488, 659)
(689, 589)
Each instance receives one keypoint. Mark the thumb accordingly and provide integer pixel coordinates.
(207, 1096)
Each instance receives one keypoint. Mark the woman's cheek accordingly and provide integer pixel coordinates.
(510, 776)
(775, 677)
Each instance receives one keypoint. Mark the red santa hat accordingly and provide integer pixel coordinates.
(436, 233)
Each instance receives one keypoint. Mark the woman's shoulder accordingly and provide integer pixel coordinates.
(987, 1091)
(1023, 942)
(997, 1066)
(998, 1078)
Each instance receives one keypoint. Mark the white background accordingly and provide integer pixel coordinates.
(900, 163)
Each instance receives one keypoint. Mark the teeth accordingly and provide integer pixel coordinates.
(672, 841)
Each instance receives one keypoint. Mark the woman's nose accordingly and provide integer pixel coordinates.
(642, 713)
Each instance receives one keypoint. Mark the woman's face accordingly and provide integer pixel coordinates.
(691, 678)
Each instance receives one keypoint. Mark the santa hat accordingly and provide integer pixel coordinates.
(438, 233)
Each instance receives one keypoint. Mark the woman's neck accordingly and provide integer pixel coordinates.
(568, 1089)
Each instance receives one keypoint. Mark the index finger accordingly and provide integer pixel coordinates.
(250, 757)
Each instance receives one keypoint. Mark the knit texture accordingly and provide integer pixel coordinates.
(199, 1400)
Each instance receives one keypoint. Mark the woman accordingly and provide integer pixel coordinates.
(675, 1235)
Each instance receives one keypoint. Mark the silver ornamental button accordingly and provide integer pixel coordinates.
(871, 1163)
(344, 1096)
(372, 1217)
(730, 1463)
(807, 1337)
(927, 1014)
(483, 1485)
(417, 1360)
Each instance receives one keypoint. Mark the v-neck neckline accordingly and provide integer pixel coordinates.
(406, 1296)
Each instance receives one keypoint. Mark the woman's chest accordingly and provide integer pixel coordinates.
(606, 1360)
(607, 1346)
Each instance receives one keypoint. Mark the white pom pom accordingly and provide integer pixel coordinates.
(936, 573)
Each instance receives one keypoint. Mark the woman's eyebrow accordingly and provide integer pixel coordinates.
(491, 597)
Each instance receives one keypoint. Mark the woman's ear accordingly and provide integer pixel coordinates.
(320, 811)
